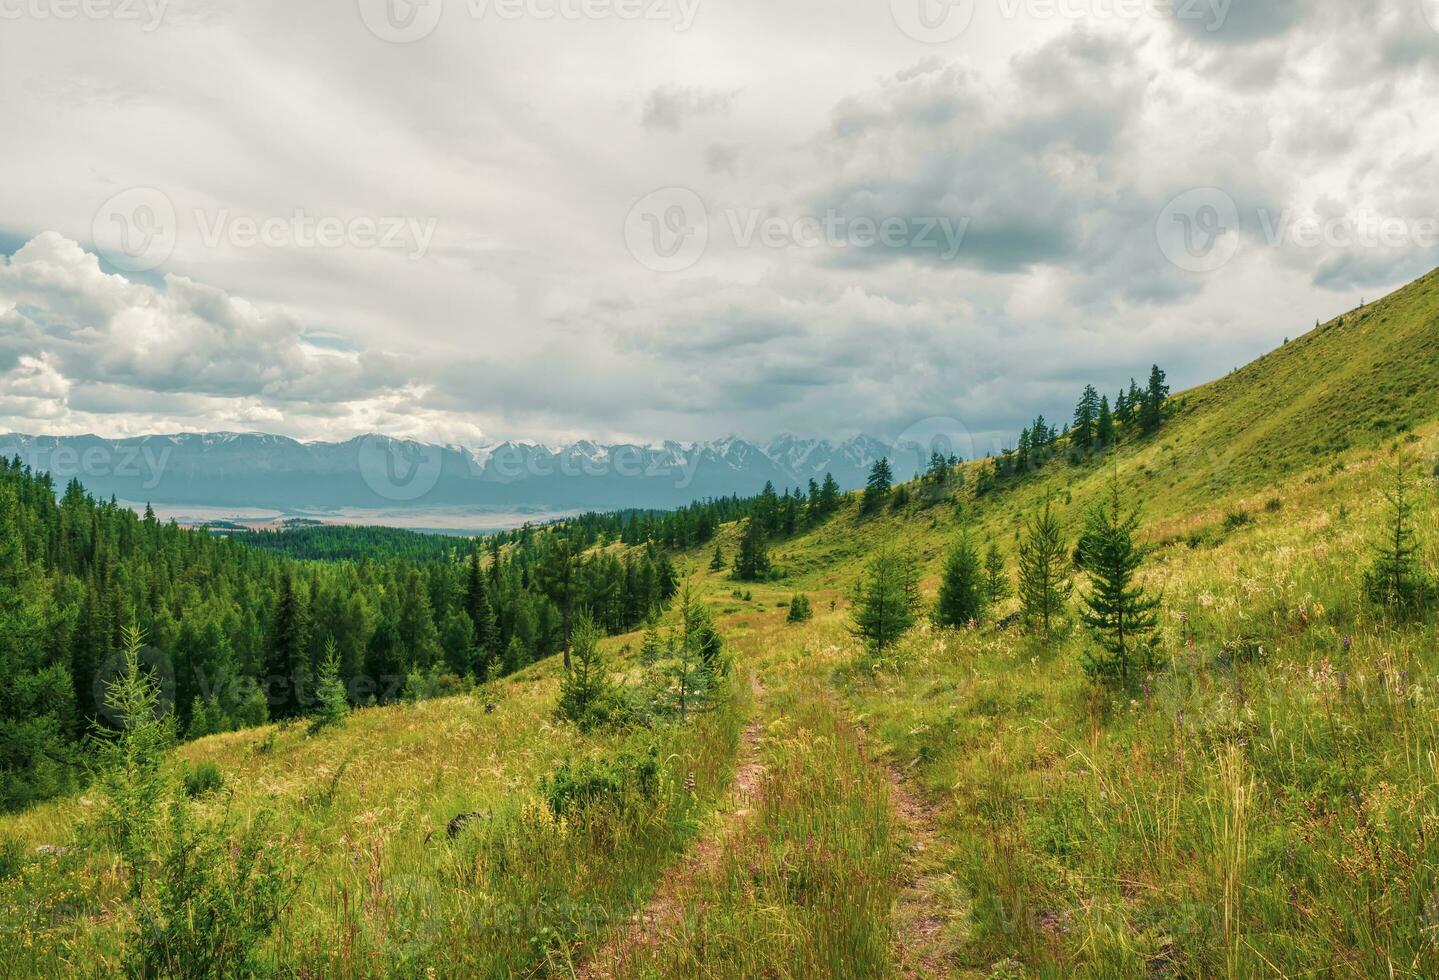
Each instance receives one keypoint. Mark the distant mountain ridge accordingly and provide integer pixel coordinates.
(228, 469)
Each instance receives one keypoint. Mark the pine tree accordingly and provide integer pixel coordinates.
(751, 563)
(482, 618)
(1120, 612)
(586, 682)
(717, 562)
(876, 488)
(131, 763)
(800, 610)
(1044, 584)
(886, 601)
(1086, 413)
(829, 496)
(938, 472)
(1396, 578)
(1151, 409)
(332, 705)
(1134, 401)
(996, 576)
(288, 664)
(1104, 424)
(962, 590)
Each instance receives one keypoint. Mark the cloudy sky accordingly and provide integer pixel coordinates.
(468, 220)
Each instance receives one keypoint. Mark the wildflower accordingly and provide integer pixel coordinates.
(1347, 643)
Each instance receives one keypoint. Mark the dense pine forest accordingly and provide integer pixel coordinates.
(238, 634)
(238, 629)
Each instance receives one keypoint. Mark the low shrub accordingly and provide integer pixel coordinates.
(202, 778)
(624, 777)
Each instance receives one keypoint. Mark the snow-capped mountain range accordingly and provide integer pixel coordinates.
(226, 469)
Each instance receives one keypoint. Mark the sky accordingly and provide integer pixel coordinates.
(471, 220)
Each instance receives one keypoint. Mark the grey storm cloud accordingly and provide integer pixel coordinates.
(1046, 148)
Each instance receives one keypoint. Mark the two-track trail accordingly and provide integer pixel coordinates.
(664, 912)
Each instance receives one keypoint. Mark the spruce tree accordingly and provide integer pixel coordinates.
(288, 664)
(1396, 578)
(1104, 424)
(962, 590)
(829, 495)
(1044, 584)
(482, 618)
(1086, 414)
(717, 561)
(800, 610)
(331, 703)
(876, 488)
(886, 601)
(751, 563)
(1151, 409)
(1118, 610)
(586, 682)
(996, 576)
(938, 471)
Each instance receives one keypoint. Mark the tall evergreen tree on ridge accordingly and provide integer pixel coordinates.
(1151, 410)
(829, 495)
(752, 560)
(877, 487)
(1104, 424)
(1086, 414)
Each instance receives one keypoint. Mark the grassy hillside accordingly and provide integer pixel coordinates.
(1263, 803)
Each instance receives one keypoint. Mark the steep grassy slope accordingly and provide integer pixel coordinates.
(1263, 803)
